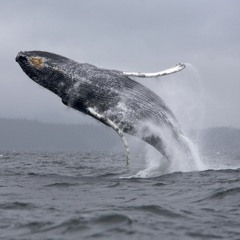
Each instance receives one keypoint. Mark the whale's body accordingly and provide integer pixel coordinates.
(109, 96)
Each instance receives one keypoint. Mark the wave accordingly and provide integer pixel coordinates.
(115, 218)
(158, 210)
(62, 184)
(223, 193)
(17, 206)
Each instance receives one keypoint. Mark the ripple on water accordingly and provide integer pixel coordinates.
(156, 210)
(105, 222)
(220, 194)
(115, 218)
(62, 184)
(17, 205)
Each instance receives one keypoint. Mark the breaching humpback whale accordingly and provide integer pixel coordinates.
(110, 96)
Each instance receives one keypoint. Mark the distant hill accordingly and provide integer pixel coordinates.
(28, 135)
(221, 139)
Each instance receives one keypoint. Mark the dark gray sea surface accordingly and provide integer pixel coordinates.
(90, 196)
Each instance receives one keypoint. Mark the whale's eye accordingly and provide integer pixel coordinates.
(37, 62)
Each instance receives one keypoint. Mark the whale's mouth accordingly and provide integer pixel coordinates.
(23, 60)
(21, 57)
(36, 62)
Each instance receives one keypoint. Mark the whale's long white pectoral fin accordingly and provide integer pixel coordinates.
(92, 112)
(177, 68)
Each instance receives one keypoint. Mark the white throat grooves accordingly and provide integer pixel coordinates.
(110, 123)
(171, 70)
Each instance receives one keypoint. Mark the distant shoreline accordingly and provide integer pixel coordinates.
(33, 135)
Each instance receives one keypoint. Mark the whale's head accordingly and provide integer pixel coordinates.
(45, 69)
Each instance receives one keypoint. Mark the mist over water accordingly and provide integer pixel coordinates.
(183, 94)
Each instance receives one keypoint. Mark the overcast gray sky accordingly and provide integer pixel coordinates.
(131, 35)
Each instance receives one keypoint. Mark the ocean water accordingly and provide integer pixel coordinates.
(90, 196)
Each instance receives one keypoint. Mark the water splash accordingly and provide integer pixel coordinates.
(183, 93)
(181, 160)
